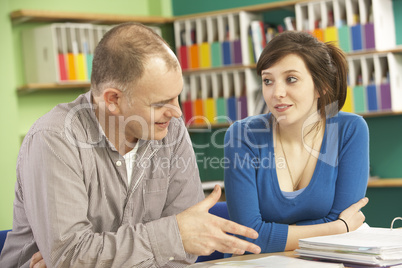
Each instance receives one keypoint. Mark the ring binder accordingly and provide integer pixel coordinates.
(392, 223)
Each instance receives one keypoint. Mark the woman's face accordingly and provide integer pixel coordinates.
(289, 91)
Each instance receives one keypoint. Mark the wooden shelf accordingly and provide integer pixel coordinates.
(217, 69)
(27, 15)
(397, 49)
(397, 182)
(196, 127)
(52, 86)
(380, 113)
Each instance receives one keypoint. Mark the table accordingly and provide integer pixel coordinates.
(255, 256)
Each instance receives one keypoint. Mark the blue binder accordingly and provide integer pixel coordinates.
(356, 37)
(372, 99)
(226, 52)
(231, 111)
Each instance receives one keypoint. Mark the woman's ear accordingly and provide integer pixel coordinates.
(112, 98)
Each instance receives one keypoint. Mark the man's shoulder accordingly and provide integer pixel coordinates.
(62, 115)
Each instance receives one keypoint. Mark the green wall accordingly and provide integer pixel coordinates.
(19, 112)
(185, 7)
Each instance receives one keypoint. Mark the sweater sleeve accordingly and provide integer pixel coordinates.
(353, 169)
(242, 161)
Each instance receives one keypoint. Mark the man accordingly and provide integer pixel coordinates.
(110, 179)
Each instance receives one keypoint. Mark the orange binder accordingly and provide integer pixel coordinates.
(319, 34)
(71, 70)
(198, 111)
(194, 57)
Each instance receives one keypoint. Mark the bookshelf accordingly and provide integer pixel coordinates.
(196, 31)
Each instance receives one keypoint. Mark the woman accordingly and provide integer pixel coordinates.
(302, 169)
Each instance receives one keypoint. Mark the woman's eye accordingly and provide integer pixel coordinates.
(267, 81)
(292, 79)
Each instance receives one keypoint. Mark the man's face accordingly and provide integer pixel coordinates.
(149, 106)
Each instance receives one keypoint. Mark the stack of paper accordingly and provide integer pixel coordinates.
(368, 246)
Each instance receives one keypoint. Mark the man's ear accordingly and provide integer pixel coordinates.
(113, 99)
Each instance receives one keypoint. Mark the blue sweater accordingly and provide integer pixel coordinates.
(252, 190)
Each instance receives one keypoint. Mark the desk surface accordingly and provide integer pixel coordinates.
(256, 256)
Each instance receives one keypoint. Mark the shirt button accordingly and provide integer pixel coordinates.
(118, 163)
(171, 258)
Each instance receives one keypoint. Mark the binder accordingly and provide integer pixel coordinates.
(72, 52)
(181, 43)
(302, 18)
(258, 37)
(383, 81)
(384, 22)
(234, 38)
(214, 41)
(366, 246)
(198, 106)
(356, 83)
(397, 9)
(81, 63)
(88, 49)
(61, 51)
(359, 99)
(186, 101)
(353, 20)
(229, 93)
(395, 78)
(344, 38)
(191, 31)
(315, 20)
(240, 94)
(218, 93)
(340, 22)
(369, 37)
(245, 19)
(252, 85)
(370, 83)
(356, 33)
(209, 107)
(223, 26)
(348, 106)
(204, 45)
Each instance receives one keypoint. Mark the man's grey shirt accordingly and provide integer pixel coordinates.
(73, 202)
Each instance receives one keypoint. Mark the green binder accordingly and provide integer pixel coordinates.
(359, 99)
(344, 38)
(216, 54)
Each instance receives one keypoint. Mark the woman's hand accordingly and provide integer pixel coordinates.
(353, 217)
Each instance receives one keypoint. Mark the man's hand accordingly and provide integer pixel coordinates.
(37, 261)
(203, 233)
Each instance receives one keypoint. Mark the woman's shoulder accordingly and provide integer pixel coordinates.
(349, 123)
(260, 121)
(346, 118)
